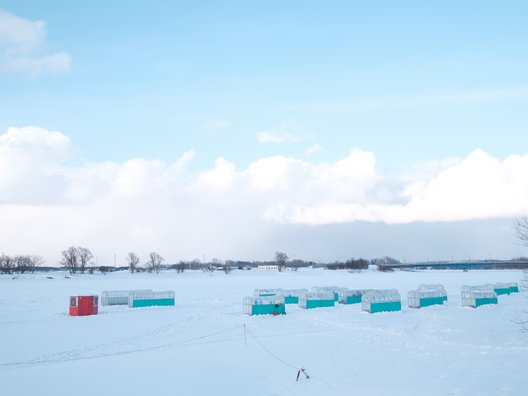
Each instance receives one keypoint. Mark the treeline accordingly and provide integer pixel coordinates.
(383, 264)
(81, 260)
(19, 264)
(351, 264)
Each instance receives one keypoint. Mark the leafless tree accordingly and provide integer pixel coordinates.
(522, 230)
(133, 261)
(281, 259)
(522, 234)
(70, 259)
(7, 264)
(154, 262)
(104, 269)
(22, 263)
(180, 267)
(34, 262)
(84, 257)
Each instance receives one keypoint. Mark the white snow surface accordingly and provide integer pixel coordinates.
(198, 346)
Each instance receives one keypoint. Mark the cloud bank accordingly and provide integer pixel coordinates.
(23, 48)
(145, 205)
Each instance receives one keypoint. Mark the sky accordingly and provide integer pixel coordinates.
(234, 130)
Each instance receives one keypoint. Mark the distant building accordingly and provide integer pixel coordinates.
(268, 267)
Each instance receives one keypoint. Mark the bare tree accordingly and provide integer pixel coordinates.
(522, 235)
(34, 262)
(180, 267)
(7, 264)
(133, 261)
(104, 269)
(70, 259)
(154, 262)
(84, 256)
(22, 263)
(521, 227)
(281, 259)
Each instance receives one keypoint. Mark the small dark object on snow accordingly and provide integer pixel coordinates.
(303, 370)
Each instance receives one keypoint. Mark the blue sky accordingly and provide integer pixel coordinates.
(419, 86)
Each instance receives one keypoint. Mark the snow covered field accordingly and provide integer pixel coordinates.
(198, 346)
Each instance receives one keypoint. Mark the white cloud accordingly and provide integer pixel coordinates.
(148, 204)
(275, 173)
(220, 177)
(22, 48)
(477, 187)
(30, 163)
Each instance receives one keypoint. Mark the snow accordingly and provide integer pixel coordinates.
(198, 346)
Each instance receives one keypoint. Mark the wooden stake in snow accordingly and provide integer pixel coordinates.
(245, 337)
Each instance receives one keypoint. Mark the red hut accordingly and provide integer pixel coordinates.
(83, 305)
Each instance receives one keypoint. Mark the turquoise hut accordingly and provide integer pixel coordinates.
(347, 296)
(505, 288)
(381, 301)
(118, 297)
(426, 295)
(311, 300)
(138, 299)
(273, 305)
(267, 292)
(332, 289)
(292, 296)
(477, 297)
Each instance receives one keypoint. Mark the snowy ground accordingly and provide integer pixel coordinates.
(198, 347)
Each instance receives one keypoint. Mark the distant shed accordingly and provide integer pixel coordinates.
(333, 289)
(150, 298)
(292, 296)
(505, 288)
(347, 296)
(272, 305)
(84, 305)
(118, 297)
(427, 295)
(476, 296)
(381, 301)
(267, 292)
(320, 299)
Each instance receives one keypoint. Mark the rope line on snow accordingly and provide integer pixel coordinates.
(58, 359)
(299, 370)
(38, 361)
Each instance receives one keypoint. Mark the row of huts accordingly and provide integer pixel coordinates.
(89, 305)
(274, 301)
